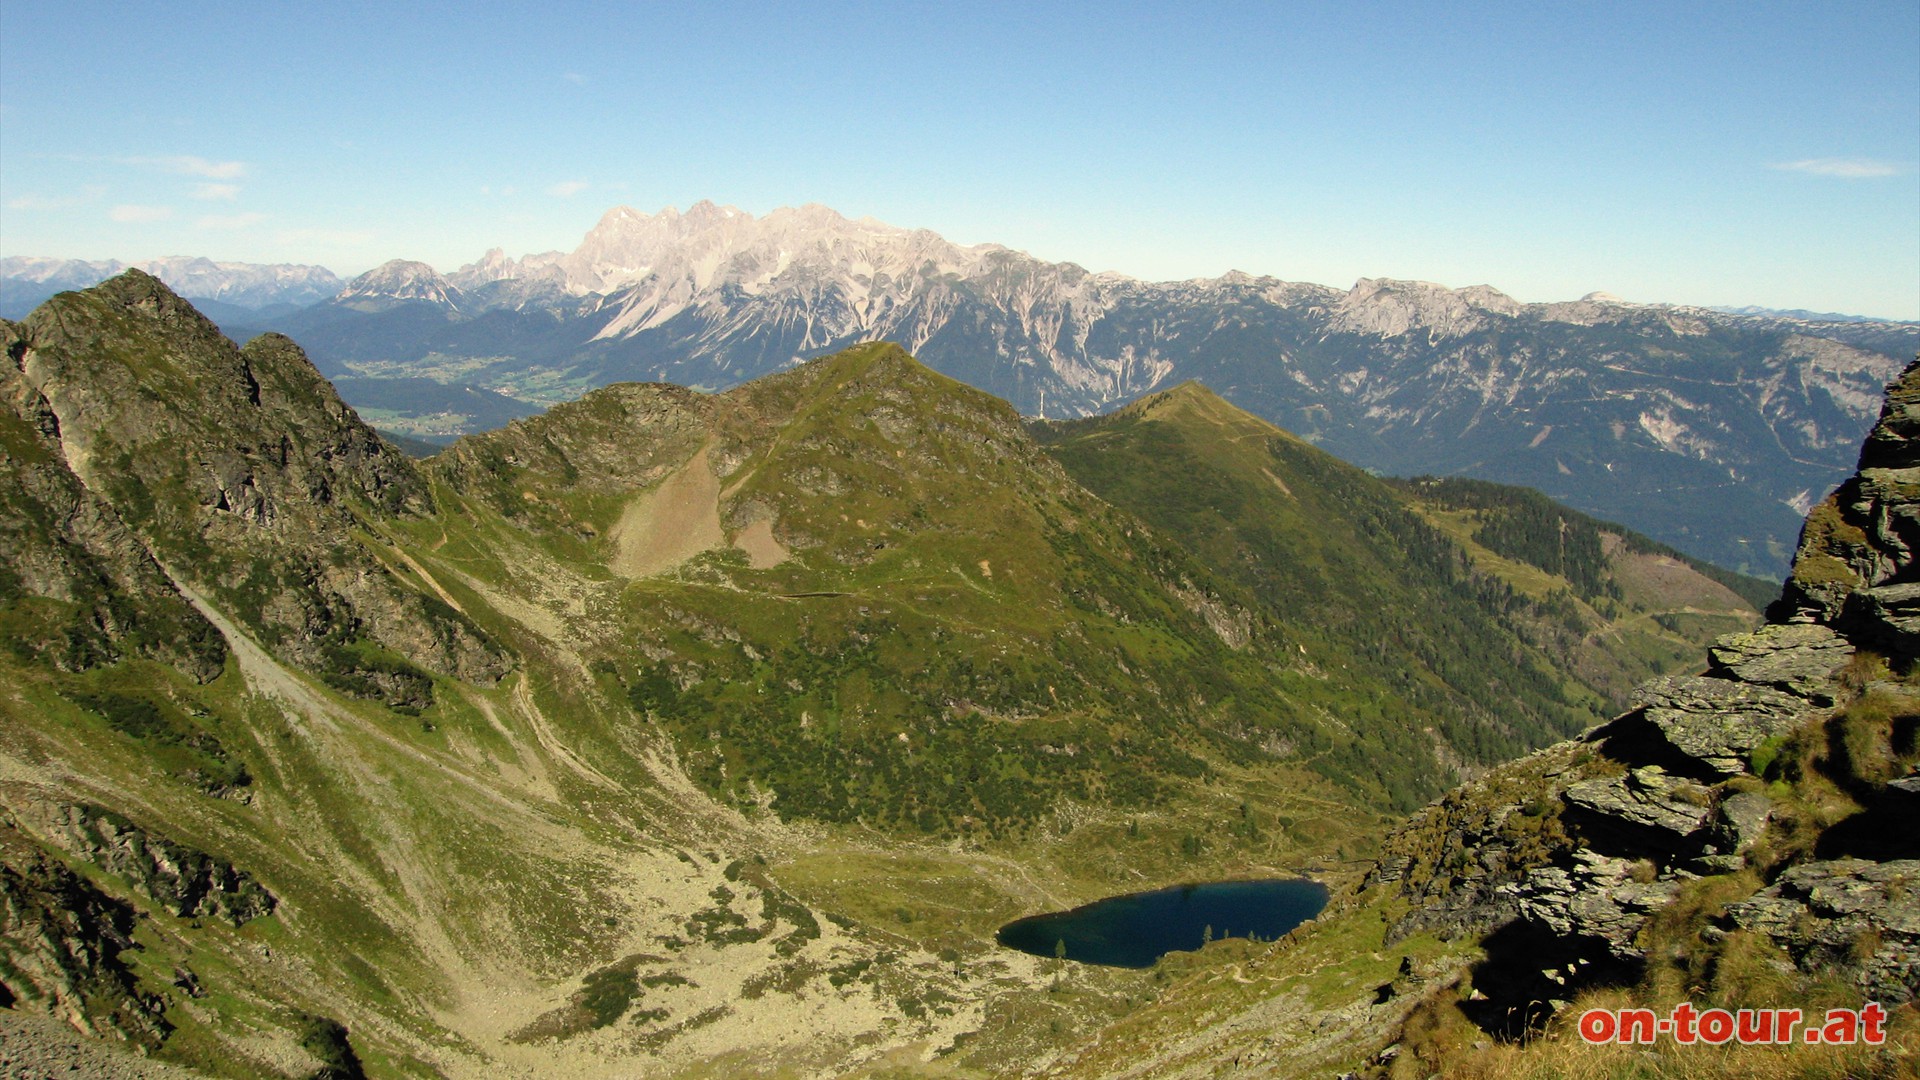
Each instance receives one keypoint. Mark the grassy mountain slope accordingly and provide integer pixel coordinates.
(647, 732)
(1391, 585)
(956, 637)
(1610, 605)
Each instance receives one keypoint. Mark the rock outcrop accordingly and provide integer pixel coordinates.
(1717, 722)
(1852, 914)
(1855, 567)
(1560, 860)
(181, 880)
(239, 467)
(61, 941)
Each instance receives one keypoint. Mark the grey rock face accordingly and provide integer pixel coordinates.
(1852, 915)
(1800, 658)
(1597, 897)
(1646, 797)
(1719, 721)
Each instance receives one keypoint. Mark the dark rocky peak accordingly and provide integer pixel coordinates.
(78, 587)
(137, 290)
(239, 469)
(1856, 567)
(151, 398)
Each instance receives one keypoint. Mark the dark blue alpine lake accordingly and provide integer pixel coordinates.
(1135, 930)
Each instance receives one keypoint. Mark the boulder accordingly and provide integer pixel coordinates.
(1646, 797)
(1719, 721)
(1740, 819)
(1800, 658)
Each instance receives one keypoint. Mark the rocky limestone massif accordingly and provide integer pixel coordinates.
(1776, 794)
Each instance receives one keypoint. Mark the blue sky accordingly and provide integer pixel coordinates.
(1698, 153)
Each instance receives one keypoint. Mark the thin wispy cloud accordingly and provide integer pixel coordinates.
(1841, 168)
(244, 220)
(133, 213)
(574, 77)
(85, 195)
(217, 192)
(191, 165)
(567, 189)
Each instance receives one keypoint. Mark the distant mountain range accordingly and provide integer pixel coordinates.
(26, 281)
(1796, 313)
(1710, 430)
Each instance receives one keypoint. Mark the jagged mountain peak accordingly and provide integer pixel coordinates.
(708, 245)
(91, 353)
